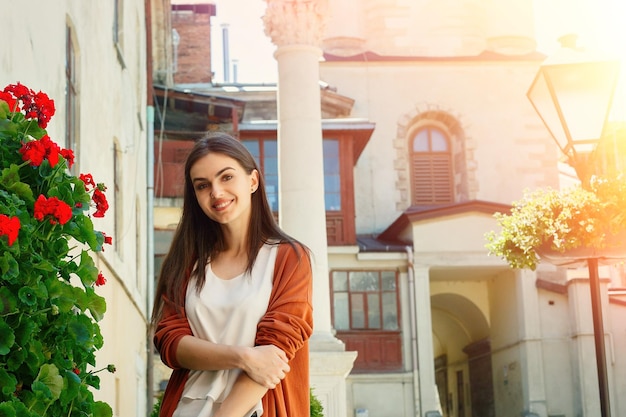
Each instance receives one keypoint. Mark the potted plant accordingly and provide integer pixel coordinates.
(49, 306)
(564, 227)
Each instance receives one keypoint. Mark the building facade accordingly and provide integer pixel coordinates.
(91, 60)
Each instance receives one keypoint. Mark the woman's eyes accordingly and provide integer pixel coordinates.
(224, 178)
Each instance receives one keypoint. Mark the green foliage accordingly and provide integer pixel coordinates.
(49, 309)
(561, 221)
(316, 406)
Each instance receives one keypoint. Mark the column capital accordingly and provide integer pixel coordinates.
(295, 22)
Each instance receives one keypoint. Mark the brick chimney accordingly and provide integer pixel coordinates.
(192, 42)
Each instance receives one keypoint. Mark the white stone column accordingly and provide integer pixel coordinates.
(426, 362)
(531, 351)
(296, 28)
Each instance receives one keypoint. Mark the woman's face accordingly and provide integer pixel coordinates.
(223, 188)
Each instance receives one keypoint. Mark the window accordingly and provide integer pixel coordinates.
(265, 153)
(71, 97)
(340, 151)
(365, 311)
(118, 30)
(118, 218)
(431, 168)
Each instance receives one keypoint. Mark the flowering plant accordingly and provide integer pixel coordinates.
(564, 227)
(49, 309)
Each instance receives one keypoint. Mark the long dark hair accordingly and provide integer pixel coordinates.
(198, 238)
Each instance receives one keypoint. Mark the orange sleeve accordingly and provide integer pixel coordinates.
(288, 322)
(170, 330)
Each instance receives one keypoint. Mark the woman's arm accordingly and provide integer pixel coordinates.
(245, 394)
(264, 364)
(179, 348)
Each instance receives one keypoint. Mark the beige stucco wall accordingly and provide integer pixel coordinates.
(112, 110)
(507, 147)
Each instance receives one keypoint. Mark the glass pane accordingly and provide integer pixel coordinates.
(271, 189)
(364, 281)
(332, 176)
(439, 142)
(253, 147)
(332, 202)
(389, 280)
(390, 311)
(373, 311)
(270, 172)
(332, 184)
(340, 281)
(342, 315)
(358, 312)
(420, 141)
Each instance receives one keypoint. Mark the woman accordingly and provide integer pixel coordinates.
(233, 308)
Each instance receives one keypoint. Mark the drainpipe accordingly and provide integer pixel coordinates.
(412, 314)
(149, 209)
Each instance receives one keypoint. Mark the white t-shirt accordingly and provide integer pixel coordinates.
(225, 312)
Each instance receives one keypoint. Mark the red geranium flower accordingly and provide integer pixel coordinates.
(88, 180)
(33, 151)
(35, 105)
(9, 226)
(59, 210)
(101, 280)
(102, 205)
(10, 100)
(36, 151)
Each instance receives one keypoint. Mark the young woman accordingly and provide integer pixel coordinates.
(233, 307)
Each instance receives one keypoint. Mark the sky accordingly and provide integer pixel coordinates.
(600, 24)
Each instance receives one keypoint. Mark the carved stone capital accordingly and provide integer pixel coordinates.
(296, 22)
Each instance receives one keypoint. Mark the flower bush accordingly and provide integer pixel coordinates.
(576, 221)
(49, 308)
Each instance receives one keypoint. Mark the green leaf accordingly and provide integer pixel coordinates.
(10, 180)
(9, 267)
(6, 409)
(8, 302)
(50, 377)
(7, 382)
(87, 271)
(102, 409)
(7, 337)
(62, 295)
(70, 387)
(96, 304)
(27, 296)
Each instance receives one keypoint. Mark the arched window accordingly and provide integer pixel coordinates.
(432, 179)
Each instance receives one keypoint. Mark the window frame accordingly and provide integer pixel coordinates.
(380, 349)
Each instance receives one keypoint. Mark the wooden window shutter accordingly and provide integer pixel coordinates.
(431, 175)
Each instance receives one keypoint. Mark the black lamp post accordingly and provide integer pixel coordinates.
(572, 93)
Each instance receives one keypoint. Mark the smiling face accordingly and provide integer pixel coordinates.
(223, 188)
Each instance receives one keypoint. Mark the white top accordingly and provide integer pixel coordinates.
(225, 312)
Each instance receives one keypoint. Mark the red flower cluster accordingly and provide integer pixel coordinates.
(35, 105)
(98, 197)
(9, 226)
(59, 210)
(36, 151)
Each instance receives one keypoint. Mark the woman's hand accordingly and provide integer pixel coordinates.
(266, 365)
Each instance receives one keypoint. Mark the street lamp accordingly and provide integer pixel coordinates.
(572, 93)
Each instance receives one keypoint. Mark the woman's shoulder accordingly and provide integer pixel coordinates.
(292, 251)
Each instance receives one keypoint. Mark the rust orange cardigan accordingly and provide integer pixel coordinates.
(287, 324)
